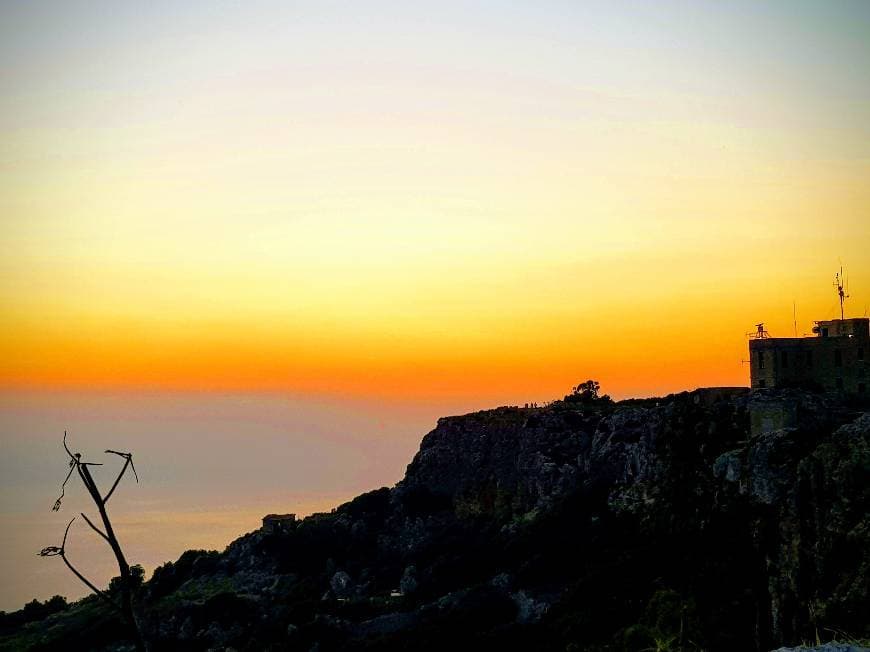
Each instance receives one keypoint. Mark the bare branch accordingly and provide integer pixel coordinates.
(74, 458)
(95, 528)
(128, 457)
(55, 551)
(63, 488)
(87, 480)
(93, 588)
(75, 463)
(77, 457)
(65, 533)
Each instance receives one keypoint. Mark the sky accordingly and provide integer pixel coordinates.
(467, 200)
(265, 245)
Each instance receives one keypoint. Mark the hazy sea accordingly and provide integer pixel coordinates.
(210, 466)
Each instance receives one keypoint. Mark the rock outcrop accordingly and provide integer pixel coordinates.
(643, 524)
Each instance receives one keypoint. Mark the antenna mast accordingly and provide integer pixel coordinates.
(838, 282)
(760, 333)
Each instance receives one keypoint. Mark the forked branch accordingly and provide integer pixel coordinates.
(60, 551)
(95, 528)
(128, 462)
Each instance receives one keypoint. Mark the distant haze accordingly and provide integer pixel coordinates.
(210, 466)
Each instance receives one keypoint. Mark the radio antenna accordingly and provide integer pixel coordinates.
(759, 333)
(794, 315)
(839, 284)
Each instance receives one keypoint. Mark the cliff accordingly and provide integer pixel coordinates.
(644, 524)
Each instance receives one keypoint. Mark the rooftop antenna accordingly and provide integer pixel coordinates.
(839, 284)
(794, 315)
(760, 333)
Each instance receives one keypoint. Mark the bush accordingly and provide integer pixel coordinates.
(587, 393)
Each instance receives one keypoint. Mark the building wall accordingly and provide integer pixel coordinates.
(855, 327)
(767, 416)
(835, 364)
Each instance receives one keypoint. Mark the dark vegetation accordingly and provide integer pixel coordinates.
(32, 611)
(588, 393)
(655, 524)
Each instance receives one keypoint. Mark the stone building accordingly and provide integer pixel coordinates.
(833, 360)
(279, 523)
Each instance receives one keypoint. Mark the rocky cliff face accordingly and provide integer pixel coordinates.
(533, 457)
(646, 524)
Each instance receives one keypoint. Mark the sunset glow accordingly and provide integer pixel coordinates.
(410, 205)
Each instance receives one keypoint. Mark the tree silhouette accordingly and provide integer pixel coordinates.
(127, 582)
(587, 393)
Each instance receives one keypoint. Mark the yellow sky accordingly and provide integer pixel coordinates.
(294, 200)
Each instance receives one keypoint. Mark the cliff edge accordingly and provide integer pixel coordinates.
(643, 524)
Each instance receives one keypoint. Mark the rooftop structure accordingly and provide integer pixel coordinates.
(834, 360)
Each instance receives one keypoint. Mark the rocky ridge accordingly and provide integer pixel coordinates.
(644, 524)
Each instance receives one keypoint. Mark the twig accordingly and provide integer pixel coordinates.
(75, 458)
(65, 533)
(72, 467)
(115, 484)
(128, 457)
(95, 528)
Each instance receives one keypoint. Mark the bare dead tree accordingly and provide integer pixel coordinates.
(76, 465)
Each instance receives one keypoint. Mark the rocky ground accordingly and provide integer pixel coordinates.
(658, 524)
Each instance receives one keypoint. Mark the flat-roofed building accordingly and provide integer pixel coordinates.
(833, 360)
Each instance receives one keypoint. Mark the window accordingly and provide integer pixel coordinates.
(785, 359)
(838, 358)
(762, 383)
(824, 332)
(761, 359)
(839, 383)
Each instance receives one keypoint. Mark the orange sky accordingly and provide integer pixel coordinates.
(474, 206)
